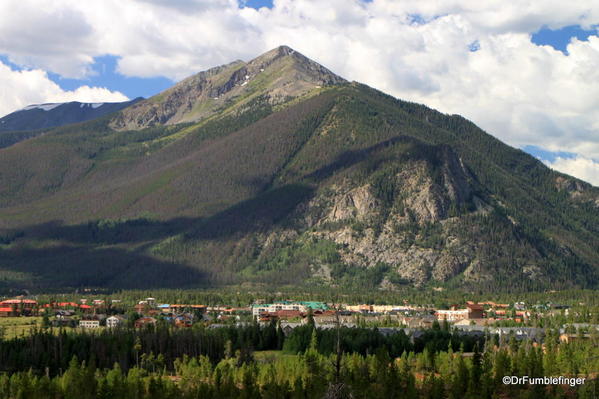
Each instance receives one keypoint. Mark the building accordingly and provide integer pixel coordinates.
(8, 311)
(18, 307)
(472, 311)
(187, 307)
(474, 322)
(184, 320)
(301, 306)
(573, 337)
(475, 310)
(114, 321)
(144, 322)
(452, 315)
(91, 323)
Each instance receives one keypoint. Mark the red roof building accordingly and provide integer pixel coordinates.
(145, 321)
(7, 311)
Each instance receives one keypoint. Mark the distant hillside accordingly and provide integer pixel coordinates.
(20, 124)
(301, 178)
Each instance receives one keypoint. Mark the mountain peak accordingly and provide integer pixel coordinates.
(279, 74)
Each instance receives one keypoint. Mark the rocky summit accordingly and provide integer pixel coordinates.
(277, 171)
(280, 74)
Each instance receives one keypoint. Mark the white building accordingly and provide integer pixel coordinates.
(89, 323)
(257, 309)
(114, 321)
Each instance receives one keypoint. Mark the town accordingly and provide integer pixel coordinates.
(518, 319)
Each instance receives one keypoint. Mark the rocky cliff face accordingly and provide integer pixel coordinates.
(279, 74)
(418, 232)
(370, 233)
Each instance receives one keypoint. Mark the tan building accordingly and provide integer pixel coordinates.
(451, 315)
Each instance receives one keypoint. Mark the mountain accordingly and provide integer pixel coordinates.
(27, 122)
(297, 177)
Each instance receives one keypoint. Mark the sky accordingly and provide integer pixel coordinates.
(527, 72)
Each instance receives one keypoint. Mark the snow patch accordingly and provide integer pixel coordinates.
(45, 107)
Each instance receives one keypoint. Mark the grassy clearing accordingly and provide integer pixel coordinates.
(271, 356)
(17, 326)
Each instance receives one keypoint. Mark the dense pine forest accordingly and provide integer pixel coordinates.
(261, 362)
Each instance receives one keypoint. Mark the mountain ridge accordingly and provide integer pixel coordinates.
(50, 115)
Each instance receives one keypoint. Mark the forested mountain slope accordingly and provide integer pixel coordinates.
(303, 178)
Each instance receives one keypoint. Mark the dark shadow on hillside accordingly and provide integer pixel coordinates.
(76, 267)
(87, 257)
(120, 231)
(256, 214)
(265, 209)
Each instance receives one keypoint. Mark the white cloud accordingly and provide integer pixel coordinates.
(22, 88)
(514, 89)
(583, 168)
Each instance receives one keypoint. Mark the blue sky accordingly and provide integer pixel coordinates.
(526, 73)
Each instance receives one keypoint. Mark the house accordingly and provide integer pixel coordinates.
(8, 311)
(474, 322)
(89, 323)
(144, 322)
(92, 321)
(475, 310)
(20, 306)
(288, 327)
(519, 333)
(188, 307)
(451, 315)
(573, 337)
(114, 321)
(63, 314)
(301, 306)
(184, 320)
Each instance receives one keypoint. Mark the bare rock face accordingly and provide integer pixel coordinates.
(576, 188)
(278, 75)
(357, 203)
(369, 233)
(418, 233)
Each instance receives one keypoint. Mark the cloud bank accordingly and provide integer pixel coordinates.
(22, 88)
(459, 56)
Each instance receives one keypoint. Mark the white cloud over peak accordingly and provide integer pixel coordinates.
(22, 88)
(418, 50)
